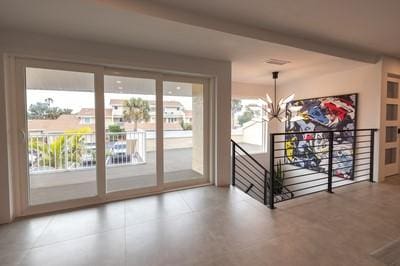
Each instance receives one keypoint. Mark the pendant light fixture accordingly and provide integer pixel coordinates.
(273, 109)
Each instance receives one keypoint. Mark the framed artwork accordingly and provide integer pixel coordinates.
(310, 151)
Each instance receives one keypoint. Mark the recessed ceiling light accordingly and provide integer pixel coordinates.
(120, 88)
(279, 62)
(178, 88)
(169, 92)
(119, 82)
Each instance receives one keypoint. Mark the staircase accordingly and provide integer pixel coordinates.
(250, 176)
(328, 160)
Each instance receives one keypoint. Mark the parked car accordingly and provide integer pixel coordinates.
(88, 158)
(119, 153)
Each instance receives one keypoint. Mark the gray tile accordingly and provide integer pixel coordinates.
(154, 207)
(83, 222)
(213, 226)
(106, 248)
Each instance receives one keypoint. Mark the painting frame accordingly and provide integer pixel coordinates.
(351, 100)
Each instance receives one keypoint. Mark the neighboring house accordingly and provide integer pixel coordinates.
(188, 117)
(56, 126)
(73, 122)
(174, 111)
(87, 116)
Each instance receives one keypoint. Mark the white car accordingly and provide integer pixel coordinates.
(119, 153)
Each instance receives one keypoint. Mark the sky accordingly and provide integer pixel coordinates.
(78, 100)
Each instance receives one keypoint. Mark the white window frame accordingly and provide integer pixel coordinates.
(264, 130)
(21, 186)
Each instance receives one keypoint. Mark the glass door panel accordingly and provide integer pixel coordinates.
(130, 123)
(61, 141)
(183, 118)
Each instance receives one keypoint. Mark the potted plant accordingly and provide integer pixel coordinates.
(279, 176)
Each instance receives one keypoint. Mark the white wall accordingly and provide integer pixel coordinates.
(242, 90)
(79, 51)
(364, 80)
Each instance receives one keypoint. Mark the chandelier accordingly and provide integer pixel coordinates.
(273, 109)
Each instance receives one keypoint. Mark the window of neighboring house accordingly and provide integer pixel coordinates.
(248, 128)
(121, 119)
(115, 107)
(86, 120)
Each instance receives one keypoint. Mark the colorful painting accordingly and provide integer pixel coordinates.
(310, 150)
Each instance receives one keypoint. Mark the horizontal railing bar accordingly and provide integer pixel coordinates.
(246, 186)
(351, 166)
(255, 187)
(340, 168)
(356, 159)
(305, 182)
(261, 178)
(252, 191)
(361, 164)
(317, 146)
(261, 171)
(294, 191)
(260, 189)
(249, 155)
(363, 175)
(352, 183)
(363, 158)
(360, 170)
(291, 163)
(350, 149)
(255, 180)
(325, 131)
(243, 157)
(351, 180)
(308, 174)
(292, 170)
(363, 141)
(360, 153)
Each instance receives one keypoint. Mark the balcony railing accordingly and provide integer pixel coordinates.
(76, 151)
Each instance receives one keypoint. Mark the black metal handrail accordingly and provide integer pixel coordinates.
(257, 178)
(299, 184)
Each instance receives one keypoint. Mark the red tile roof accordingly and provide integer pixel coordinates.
(91, 112)
(61, 124)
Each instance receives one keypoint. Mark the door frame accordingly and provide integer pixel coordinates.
(21, 184)
(393, 168)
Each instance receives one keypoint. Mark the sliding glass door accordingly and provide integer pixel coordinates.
(130, 126)
(184, 131)
(60, 135)
(92, 134)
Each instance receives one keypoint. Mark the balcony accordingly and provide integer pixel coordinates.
(63, 166)
(77, 151)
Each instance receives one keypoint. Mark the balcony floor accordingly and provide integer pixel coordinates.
(213, 226)
(58, 186)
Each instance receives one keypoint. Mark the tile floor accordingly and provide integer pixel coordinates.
(213, 226)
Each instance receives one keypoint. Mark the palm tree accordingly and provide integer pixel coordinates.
(136, 110)
(65, 150)
(49, 101)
